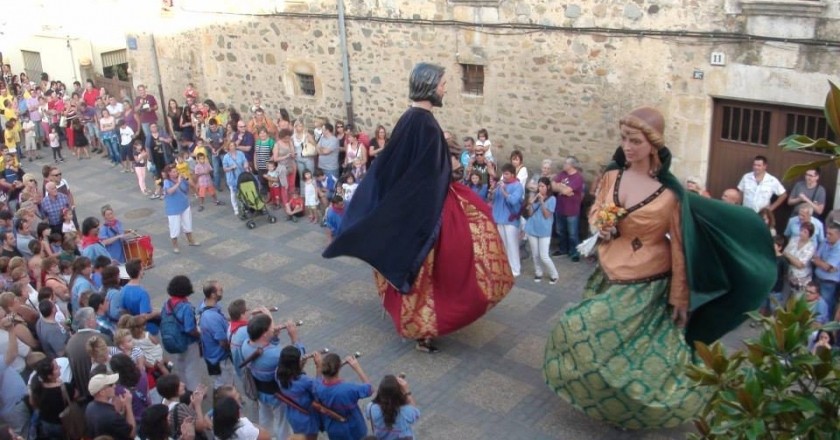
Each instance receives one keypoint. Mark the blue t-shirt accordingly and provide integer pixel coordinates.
(178, 201)
(13, 386)
(115, 249)
(343, 398)
(239, 337)
(213, 332)
(115, 305)
(185, 314)
(135, 299)
(95, 251)
(506, 209)
(333, 221)
(538, 225)
(80, 285)
(230, 160)
(402, 425)
(302, 392)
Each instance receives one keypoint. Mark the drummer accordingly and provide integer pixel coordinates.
(112, 234)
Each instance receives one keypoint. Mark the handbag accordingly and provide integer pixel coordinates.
(72, 417)
(62, 121)
(309, 149)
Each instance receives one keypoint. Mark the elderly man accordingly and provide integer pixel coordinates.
(759, 186)
(76, 349)
(731, 196)
(806, 215)
(52, 206)
(109, 415)
(808, 193)
(827, 267)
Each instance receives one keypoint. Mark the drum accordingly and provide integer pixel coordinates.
(140, 248)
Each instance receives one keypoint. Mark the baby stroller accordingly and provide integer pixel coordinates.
(251, 202)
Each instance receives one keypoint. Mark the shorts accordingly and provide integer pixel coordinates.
(125, 152)
(274, 193)
(206, 191)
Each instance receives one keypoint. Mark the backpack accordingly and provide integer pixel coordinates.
(249, 385)
(172, 334)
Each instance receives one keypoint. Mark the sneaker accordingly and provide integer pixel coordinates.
(575, 258)
(154, 196)
(426, 347)
(176, 250)
(219, 203)
(195, 243)
(537, 279)
(552, 281)
(200, 208)
(558, 253)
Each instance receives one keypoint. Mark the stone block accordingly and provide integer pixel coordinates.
(484, 390)
(572, 11)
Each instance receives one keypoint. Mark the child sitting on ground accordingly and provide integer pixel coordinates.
(203, 171)
(294, 208)
(333, 217)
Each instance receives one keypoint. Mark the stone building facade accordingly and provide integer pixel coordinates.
(557, 75)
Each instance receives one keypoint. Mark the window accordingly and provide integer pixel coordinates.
(115, 64)
(306, 84)
(32, 64)
(473, 78)
(748, 125)
(813, 126)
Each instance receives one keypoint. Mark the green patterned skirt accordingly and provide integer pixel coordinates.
(617, 356)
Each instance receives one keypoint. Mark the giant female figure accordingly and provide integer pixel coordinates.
(439, 262)
(620, 355)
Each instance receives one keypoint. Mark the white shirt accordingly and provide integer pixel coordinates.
(757, 194)
(126, 135)
(115, 110)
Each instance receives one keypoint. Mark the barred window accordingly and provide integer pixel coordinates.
(306, 84)
(747, 125)
(32, 64)
(473, 78)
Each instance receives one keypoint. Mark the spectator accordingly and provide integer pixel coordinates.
(731, 196)
(228, 423)
(333, 216)
(343, 397)
(158, 152)
(507, 203)
(481, 164)
(215, 137)
(145, 106)
(475, 184)
(380, 139)
(568, 186)
(777, 297)
(47, 396)
(102, 415)
(80, 362)
(819, 306)
(759, 186)
(262, 352)
(822, 339)
(100, 305)
(328, 149)
(244, 141)
(24, 236)
(538, 229)
(517, 160)
(233, 164)
(392, 411)
(827, 267)
(798, 252)
(214, 337)
(9, 244)
(483, 141)
(132, 381)
(53, 205)
(172, 390)
(805, 216)
(13, 409)
(808, 192)
(80, 281)
(52, 334)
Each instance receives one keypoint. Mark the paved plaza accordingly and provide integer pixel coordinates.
(486, 383)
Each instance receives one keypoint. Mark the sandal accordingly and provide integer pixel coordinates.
(426, 347)
(195, 243)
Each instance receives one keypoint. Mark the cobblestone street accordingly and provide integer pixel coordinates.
(486, 383)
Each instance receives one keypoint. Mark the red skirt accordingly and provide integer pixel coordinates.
(464, 276)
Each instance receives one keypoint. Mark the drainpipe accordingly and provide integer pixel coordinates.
(72, 59)
(342, 33)
(156, 69)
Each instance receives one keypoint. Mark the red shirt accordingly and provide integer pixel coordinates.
(295, 202)
(90, 97)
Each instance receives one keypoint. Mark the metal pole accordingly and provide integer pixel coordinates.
(156, 68)
(72, 59)
(342, 33)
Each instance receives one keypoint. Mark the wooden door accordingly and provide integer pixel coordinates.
(743, 130)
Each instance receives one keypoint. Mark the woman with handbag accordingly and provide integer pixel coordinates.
(305, 148)
(48, 395)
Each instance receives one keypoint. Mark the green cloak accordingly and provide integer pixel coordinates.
(729, 257)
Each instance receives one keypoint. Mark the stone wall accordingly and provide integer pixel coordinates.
(547, 92)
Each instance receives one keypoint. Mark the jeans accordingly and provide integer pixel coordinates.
(216, 161)
(567, 228)
(828, 292)
(113, 148)
(147, 130)
(333, 173)
(776, 300)
(539, 253)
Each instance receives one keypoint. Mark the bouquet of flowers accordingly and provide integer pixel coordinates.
(608, 217)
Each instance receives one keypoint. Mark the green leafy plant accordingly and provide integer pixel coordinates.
(775, 388)
(798, 142)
